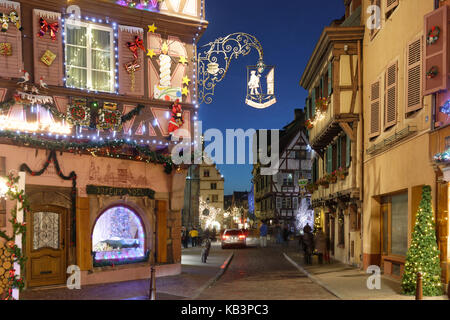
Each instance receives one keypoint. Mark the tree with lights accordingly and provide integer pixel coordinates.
(423, 254)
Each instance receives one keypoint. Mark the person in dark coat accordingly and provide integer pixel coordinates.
(308, 245)
(320, 245)
(206, 246)
(286, 234)
(213, 235)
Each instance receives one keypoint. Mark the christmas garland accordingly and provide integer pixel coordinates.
(135, 112)
(104, 148)
(72, 176)
(433, 35)
(18, 229)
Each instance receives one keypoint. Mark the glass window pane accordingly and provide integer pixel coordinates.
(76, 35)
(385, 229)
(77, 78)
(101, 40)
(101, 81)
(101, 60)
(76, 57)
(399, 224)
(45, 230)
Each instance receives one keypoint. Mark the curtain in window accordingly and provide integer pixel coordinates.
(45, 230)
(399, 224)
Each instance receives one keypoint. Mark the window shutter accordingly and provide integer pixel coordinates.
(330, 78)
(375, 93)
(314, 168)
(436, 54)
(53, 74)
(391, 5)
(343, 151)
(339, 153)
(413, 76)
(307, 107)
(390, 106)
(278, 203)
(321, 85)
(329, 159)
(11, 66)
(313, 103)
(128, 34)
(348, 151)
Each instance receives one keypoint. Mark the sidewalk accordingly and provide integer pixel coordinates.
(194, 276)
(347, 282)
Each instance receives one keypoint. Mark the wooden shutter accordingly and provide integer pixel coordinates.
(391, 5)
(343, 151)
(128, 34)
(339, 153)
(375, 92)
(313, 103)
(53, 74)
(390, 96)
(413, 76)
(436, 54)
(329, 159)
(11, 66)
(348, 157)
(330, 78)
(307, 108)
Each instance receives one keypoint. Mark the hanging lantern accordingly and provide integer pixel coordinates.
(213, 68)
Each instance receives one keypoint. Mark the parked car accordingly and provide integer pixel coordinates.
(233, 237)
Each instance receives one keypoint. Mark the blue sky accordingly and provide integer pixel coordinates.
(288, 31)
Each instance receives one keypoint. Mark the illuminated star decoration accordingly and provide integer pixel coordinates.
(152, 28)
(186, 80)
(184, 91)
(165, 48)
(183, 60)
(151, 53)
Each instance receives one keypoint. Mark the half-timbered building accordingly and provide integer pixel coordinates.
(89, 93)
(333, 79)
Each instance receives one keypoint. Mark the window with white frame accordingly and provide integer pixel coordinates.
(90, 57)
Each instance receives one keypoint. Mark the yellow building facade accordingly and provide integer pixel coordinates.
(397, 124)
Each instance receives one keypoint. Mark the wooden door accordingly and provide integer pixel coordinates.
(46, 246)
(161, 227)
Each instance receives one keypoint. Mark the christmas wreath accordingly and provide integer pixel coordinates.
(109, 119)
(433, 35)
(433, 72)
(78, 115)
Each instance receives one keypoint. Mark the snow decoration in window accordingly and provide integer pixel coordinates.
(118, 237)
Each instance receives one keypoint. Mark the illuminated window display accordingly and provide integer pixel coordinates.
(118, 237)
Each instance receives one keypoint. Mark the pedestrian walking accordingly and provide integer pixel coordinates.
(320, 245)
(328, 248)
(184, 237)
(206, 234)
(263, 235)
(308, 244)
(206, 246)
(278, 234)
(194, 235)
(286, 234)
(213, 234)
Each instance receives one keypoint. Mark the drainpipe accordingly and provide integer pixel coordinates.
(361, 188)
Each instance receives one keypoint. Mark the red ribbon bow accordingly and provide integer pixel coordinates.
(134, 46)
(45, 26)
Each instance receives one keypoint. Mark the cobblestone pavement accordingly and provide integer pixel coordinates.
(183, 286)
(263, 274)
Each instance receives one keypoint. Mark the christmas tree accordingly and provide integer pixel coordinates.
(423, 254)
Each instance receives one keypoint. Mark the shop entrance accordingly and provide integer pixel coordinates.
(46, 242)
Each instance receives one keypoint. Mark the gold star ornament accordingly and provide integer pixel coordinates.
(183, 60)
(151, 53)
(152, 28)
(184, 91)
(186, 80)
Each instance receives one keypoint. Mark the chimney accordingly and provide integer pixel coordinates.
(300, 115)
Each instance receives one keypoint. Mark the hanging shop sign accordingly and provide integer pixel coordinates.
(260, 86)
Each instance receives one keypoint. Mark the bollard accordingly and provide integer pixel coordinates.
(419, 293)
(152, 291)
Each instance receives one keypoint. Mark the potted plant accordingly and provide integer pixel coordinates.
(342, 173)
(322, 104)
(309, 125)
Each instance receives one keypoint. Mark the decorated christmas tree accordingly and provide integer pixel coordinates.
(423, 254)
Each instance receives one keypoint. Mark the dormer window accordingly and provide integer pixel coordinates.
(90, 57)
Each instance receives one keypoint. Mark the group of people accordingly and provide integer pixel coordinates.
(196, 236)
(314, 244)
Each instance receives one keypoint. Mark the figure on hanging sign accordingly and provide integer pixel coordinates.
(260, 94)
(176, 120)
(254, 83)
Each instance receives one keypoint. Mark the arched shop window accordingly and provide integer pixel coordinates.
(118, 238)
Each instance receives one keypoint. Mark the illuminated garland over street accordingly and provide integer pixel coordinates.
(18, 229)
